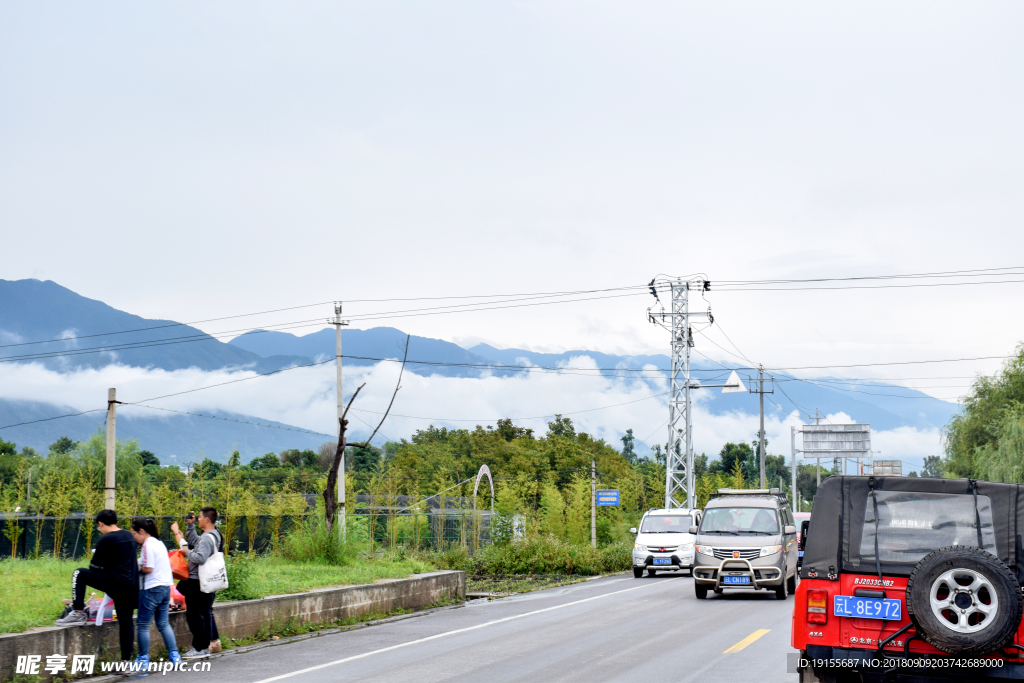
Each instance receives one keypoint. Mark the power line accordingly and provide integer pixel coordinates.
(977, 272)
(830, 289)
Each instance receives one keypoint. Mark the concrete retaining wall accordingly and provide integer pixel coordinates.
(246, 618)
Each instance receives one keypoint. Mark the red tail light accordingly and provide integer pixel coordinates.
(817, 606)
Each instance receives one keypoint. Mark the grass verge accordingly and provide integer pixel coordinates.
(32, 589)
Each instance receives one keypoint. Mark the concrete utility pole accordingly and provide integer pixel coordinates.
(110, 486)
(761, 392)
(760, 381)
(593, 503)
(338, 324)
(817, 420)
(792, 465)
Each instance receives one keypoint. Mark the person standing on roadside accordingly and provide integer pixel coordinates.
(113, 570)
(155, 598)
(199, 605)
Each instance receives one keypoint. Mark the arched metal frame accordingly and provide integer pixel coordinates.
(484, 469)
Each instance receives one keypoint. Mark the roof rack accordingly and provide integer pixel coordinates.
(767, 493)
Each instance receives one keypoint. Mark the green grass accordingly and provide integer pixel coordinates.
(32, 592)
(32, 589)
(276, 576)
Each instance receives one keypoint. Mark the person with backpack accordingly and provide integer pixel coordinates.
(113, 570)
(155, 597)
(199, 605)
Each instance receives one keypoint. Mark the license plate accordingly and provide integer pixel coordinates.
(867, 608)
(799, 553)
(736, 579)
(662, 560)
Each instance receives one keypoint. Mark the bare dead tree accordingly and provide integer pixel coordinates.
(330, 498)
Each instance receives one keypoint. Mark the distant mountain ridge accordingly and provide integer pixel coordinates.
(33, 310)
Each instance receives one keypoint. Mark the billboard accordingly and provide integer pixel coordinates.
(836, 441)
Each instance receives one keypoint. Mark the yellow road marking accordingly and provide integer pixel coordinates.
(747, 641)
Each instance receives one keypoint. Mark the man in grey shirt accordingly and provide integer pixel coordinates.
(199, 605)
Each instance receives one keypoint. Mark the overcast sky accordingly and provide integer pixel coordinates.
(200, 160)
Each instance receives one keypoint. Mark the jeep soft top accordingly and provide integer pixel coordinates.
(898, 568)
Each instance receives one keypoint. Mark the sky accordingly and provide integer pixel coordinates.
(197, 161)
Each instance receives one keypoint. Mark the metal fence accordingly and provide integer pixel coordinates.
(380, 528)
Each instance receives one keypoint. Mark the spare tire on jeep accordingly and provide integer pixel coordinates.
(963, 600)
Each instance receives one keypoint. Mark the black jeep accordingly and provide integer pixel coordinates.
(911, 579)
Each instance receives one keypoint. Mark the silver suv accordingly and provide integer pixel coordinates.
(747, 539)
(665, 541)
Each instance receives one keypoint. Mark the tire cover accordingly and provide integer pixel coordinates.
(945, 630)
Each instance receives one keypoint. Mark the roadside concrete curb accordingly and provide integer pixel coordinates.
(245, 618)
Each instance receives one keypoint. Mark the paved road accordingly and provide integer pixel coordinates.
(612, 629)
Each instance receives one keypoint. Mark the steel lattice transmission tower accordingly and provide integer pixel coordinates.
(679, 484)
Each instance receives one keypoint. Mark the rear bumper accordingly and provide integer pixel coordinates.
(894, 666)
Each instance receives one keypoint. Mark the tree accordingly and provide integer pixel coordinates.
(235, 460)
(729, 456)
(628, 451)
(562, 426)
(981, 419)
(912, 474)
(509, 432)
(147, 457)
(932, 467)
(266, 462)
(65, 445)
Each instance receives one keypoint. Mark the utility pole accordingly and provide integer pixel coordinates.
(593, 503)
(338, 324)
(792, 464)
(817, 420)
(761, 392)
(110, 485)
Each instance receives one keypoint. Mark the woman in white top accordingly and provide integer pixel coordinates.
(155, 596)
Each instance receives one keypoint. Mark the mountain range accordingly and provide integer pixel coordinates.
(43, 322)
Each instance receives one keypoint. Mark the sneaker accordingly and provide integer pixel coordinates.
(215, 646)
(174, 657)
(77, 617)
(195, 654)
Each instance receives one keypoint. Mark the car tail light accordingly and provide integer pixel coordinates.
(817, 600)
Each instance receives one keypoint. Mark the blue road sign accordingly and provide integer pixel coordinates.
(607, 498)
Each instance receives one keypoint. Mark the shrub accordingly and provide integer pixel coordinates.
(242, 584)
(311, 541)
(537, 555)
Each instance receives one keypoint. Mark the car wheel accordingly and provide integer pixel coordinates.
(700, 591)
(791, 584)
(651, 572)
(964, 601)
(638, 572)
(780, 591)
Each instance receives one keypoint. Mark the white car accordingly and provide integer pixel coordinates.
(664, 541)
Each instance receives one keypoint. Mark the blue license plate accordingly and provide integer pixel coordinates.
(662, 560)
(867, 608)
(799, 553)
(743, 580)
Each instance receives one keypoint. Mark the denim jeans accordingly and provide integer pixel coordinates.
(154, 601)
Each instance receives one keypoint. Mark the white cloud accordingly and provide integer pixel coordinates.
(305, 397)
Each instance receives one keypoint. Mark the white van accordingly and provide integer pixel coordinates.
(664, 541)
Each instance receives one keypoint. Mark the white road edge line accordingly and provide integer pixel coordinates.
(460, 630)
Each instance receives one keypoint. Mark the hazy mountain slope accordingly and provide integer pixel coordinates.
(34, 310)
(175, 439)
(377, 342)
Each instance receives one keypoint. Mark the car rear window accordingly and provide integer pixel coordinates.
(913, 524)
(654, 524)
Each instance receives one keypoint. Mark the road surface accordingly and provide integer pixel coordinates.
(611, 629)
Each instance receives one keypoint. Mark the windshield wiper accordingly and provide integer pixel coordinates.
(720, 531)
(748, 531)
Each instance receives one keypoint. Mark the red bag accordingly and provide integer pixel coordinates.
(179, 564)
(177, 600)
